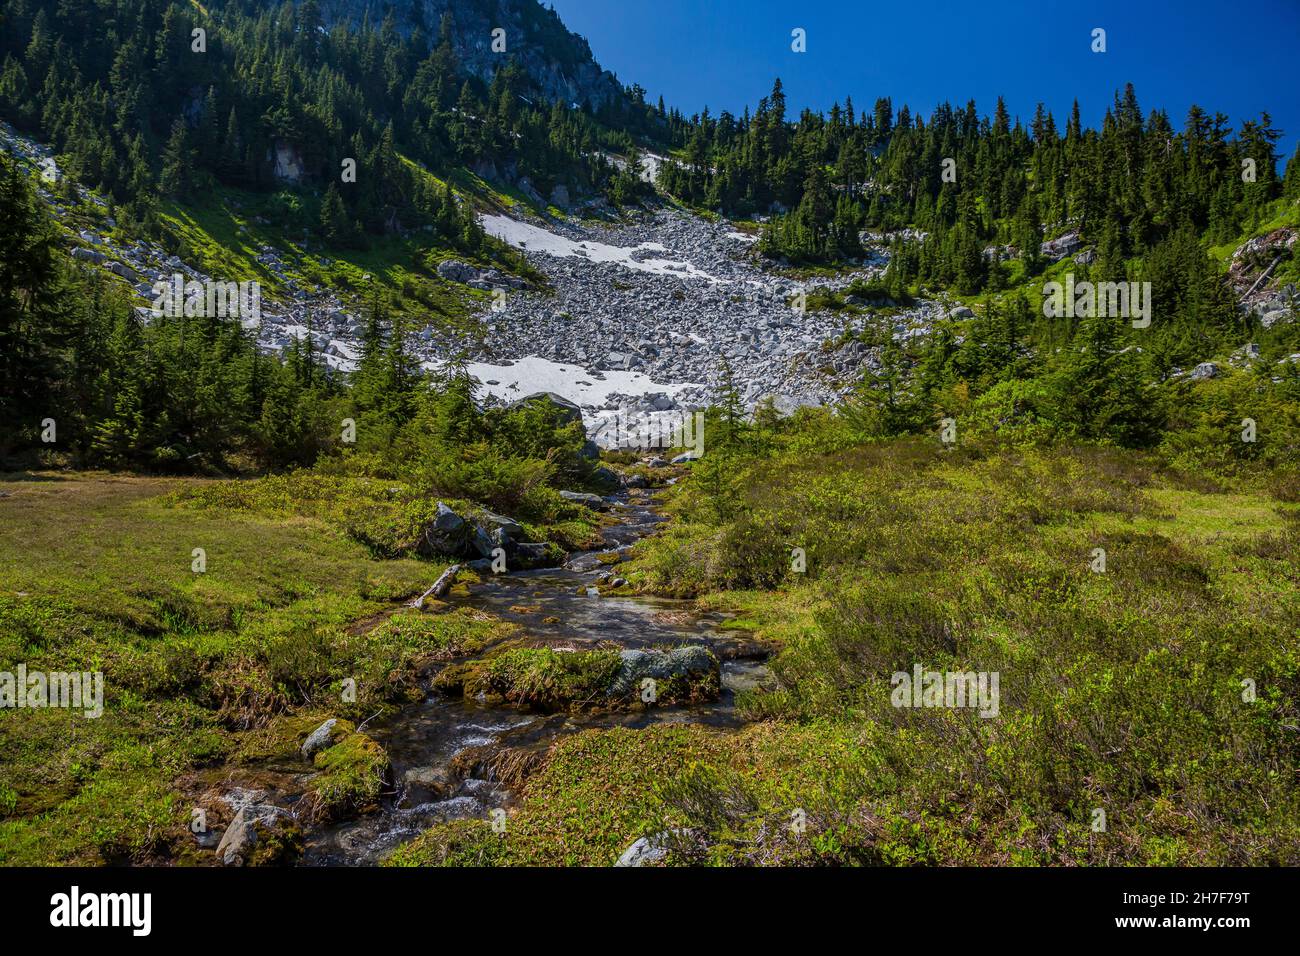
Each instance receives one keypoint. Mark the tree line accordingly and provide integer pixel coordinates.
(972, 181)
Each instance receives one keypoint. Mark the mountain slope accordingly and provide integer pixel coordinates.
(559, 64)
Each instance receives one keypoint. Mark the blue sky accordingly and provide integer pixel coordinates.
(1237, 58)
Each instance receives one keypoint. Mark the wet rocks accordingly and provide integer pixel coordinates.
(237, 843)
(259, 834)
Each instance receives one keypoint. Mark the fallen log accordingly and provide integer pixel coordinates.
(440, 586)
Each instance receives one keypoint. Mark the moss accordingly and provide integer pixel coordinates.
(544, 679)
(458, 843)
(535, 678)
(353, 773)
(436, 637)
(688, 688)
(277, 844)
(281, 738)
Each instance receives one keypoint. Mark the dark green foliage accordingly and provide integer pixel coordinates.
(119, 92)
(1132, 183)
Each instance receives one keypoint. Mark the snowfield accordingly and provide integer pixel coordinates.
(530, 238)
(590, 390)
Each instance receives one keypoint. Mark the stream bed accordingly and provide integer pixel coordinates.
(424, 740)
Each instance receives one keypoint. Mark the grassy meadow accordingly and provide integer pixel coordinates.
(1147, 712)
(238, 661)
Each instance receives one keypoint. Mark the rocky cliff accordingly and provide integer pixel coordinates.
(558, 62)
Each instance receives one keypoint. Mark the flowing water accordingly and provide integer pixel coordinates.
(422, 741)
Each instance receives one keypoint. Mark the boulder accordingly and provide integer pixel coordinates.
(1062, 246)
(529, 554)
(508, 526)
(239, 840)
(323, 737)
(482, 542)
(595, 502)
(568, 412)
(644, 852)
(447, 534)
(1206, 370)
(692, 661)
(454, 270)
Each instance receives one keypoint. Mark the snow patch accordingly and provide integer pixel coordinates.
(530, 238)
(532, 374)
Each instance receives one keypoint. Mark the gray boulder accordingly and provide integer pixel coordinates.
(568, 411)
(1062, 246)
(239, 840)
(595, 502)
(508, 526)
(322, 738)
(636, 665)
(483, 542)
(644, 852)
(251, 822)
(447, 534)
(456, 271)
